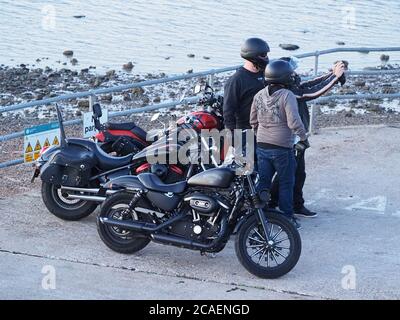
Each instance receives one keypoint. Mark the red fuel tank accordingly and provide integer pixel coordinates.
(201, 120)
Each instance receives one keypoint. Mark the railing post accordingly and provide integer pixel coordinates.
(210, 80)
(92, 101)
(316, 63)
(311, 128)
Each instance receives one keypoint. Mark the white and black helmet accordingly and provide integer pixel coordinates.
(256, 51)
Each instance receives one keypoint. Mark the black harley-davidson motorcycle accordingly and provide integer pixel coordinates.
(200, 214)
(73, 174)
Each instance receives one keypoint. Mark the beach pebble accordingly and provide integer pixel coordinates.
(128, 66)
(106, 98)
(83, 104)
(360, 83)
(385, 58)
(206, 58)
(74, 62)
(68, 53)
(137, 91)
(373, 108)
(340, 43)
(288, 46)
(110, 73)
(157, 99)
(79, 16)
(127, 96)
(191, 55)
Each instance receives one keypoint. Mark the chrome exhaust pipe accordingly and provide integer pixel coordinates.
(87, 198)
(86, 190)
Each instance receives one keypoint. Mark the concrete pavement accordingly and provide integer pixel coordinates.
(350, 251)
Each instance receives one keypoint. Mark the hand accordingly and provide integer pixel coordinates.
(301, 146)
(339, 69)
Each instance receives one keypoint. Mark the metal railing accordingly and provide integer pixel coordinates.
(192, 100)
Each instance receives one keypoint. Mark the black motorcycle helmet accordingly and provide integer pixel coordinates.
(256, 51)
(293, 62)
(279, 72)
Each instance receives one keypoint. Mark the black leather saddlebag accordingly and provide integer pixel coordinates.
(70, 167)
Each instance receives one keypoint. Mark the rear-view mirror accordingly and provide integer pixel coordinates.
(97, 111)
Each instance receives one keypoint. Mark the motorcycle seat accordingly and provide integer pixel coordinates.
(153, 182)
(128, 126)
(121, 126)
(104, 161)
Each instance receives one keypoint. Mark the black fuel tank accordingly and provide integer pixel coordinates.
(217, 178)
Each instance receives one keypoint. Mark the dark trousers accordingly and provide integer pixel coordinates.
(300, 178)
(283, 163)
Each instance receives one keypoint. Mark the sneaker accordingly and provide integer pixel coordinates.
(293, 220)
(296, 223)
(304, 212)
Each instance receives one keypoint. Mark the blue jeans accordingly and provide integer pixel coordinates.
(282, 162)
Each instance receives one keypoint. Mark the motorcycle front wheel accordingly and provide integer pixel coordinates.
(272, 256)
(62, 207)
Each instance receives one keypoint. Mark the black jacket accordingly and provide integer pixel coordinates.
(239, 92)
(310, 90)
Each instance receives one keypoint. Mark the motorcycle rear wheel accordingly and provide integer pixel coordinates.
(117, 239)
(63, 208)
(268, 258)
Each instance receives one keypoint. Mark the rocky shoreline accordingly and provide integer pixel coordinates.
(24, 84)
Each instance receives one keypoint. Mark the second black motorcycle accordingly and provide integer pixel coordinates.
(200, 214)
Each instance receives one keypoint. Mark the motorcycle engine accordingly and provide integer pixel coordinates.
(202, 220)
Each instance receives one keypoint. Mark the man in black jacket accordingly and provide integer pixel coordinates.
(248, 80)
(304, 92)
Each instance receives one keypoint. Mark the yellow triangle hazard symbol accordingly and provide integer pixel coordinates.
(28, 148)
(28, 158)
(55, 141)
(38, 146)
(46, 143)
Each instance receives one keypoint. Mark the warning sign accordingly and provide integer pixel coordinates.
(28, 148)
(55, 141)
(46, 143)
(39, 137)
(38, 146)
(88, 124)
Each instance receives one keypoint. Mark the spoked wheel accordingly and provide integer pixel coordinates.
(67, 209)
(270, 256)
(118, 239)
